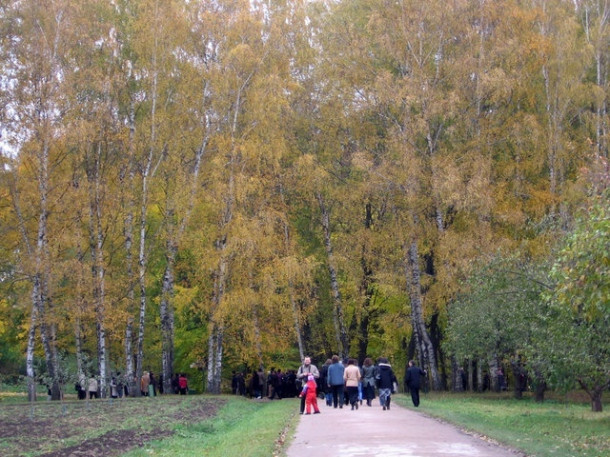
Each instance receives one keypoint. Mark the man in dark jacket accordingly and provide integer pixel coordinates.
(385, 379)
(413, 381)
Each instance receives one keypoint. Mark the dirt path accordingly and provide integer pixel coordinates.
(370, 431)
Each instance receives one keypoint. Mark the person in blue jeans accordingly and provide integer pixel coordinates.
(385, 382)
(335, 381)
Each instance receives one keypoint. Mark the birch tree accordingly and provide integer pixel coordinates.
(34, 46)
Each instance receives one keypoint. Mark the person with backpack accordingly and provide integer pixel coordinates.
(385, 382)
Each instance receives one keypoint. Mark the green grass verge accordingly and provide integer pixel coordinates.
(242, 427)
(552, 428)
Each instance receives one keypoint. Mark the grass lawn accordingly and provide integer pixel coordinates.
(553, 428)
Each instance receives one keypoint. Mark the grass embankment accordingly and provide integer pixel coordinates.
(553, 428)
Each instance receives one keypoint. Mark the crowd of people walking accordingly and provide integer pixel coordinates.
(338, 382)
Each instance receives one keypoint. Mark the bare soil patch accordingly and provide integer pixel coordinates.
(97, 428)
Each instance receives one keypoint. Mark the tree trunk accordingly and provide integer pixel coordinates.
(148, 172)
(480, 380)
(457, 371)
(341, 336)
(293, 302)
(520, 376)
(493, 374)
(128, 234)
(595, 393)
(366, 291)
(297, 324)
(31, 345)
(29, 358)
(470, 376)
(81, 301)
(540, 385)
(166, 311)
(596, 402)
(424, 344)
(142, 263)
(596, 35)
(42, 261)
(215, 351)
(96, 237)
(216, 335)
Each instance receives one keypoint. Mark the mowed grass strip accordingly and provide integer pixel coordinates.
(247, 428)
(552, 428)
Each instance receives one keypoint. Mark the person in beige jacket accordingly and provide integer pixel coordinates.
(351, 376)
(144, 382)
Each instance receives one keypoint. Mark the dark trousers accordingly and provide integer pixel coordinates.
(369, 393)
(415, 395)
(337, 394)
(352, 393)
(275, 392)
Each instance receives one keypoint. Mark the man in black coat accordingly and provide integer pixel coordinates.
(413, 381)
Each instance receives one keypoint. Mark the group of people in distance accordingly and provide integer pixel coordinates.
(148, 384)
(337, 382)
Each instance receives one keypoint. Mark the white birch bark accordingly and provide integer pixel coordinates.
(148, 172)
(216, 331)
(31, 345)
(80, 306)
(29, 357)
(216, 326)
(596, 18)
(128, 235)
(40, 290)
(96, 241)
(422, 338)
(341, 337)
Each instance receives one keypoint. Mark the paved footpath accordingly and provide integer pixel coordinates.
(398, 432)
